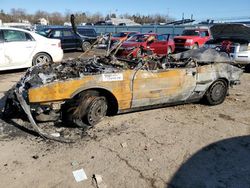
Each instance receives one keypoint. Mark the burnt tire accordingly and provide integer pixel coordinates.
(85, 46)
(96, 110)
(216, 93)
(41, 58)
(88, 109)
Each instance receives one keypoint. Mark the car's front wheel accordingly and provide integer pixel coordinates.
(85, 46)
(216, 93)
(41, 58)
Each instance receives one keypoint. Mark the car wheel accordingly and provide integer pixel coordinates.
(195, 46)
(41, 58)
(169, 50)
(96, 110)
(88, 109)
(85, 46)
(216, 93)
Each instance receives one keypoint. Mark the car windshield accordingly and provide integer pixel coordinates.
(138, 38)
(121, 34)
(190, 33)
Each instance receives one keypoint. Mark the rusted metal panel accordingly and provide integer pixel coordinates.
(64, 90)
(151, 88)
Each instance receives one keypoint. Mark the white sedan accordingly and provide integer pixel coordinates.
(20, 49)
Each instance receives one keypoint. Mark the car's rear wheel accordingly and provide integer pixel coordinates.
(86, 46)
(41, 58)
(88, 109)
(216, 93)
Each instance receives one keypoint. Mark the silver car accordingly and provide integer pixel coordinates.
(233, 39)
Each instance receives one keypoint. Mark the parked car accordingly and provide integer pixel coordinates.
(83, 39)
(84, 91)
(159, 44)
(233, 39)
(192, 38)
(103, 23)
(20, 48)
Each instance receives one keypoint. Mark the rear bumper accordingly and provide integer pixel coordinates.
(57, 55)
(241, 57)
(234, 82)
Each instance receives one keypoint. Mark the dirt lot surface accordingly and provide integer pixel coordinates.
(190, 145)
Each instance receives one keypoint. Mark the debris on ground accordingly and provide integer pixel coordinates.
(97, 180)
(124, 144)
(74, 163)
(79, 175)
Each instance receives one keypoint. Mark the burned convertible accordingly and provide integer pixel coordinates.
(83, 91)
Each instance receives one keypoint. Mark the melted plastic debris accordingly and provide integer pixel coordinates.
(71, 68)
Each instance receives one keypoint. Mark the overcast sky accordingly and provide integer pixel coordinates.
(201, 9)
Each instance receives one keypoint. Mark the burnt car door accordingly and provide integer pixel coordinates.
(171, 85)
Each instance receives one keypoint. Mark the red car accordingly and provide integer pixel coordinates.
(192, 38)
(157, 43)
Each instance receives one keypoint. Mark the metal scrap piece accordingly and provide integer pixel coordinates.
(26, 109)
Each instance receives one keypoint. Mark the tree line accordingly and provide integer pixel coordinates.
(57, 18)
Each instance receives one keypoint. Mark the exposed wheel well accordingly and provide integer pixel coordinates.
(222, 79)
(111, 99)
(225, 80)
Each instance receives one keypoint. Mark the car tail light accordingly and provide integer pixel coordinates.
(248, 48)
(59, 44)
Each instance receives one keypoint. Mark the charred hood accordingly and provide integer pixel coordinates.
(69, 69)
(240, 31)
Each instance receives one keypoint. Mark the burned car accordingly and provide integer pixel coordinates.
(83, 91)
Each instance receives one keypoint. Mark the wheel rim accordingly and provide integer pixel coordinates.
(97, 111)
(85, 46)
(218, 92)
(42, 59)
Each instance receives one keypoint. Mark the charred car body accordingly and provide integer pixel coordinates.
(83, 91)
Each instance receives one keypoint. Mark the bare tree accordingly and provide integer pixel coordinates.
(58, 18)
